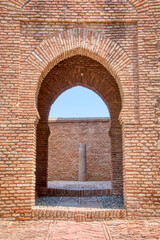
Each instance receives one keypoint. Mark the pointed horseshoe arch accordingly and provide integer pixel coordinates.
(89, 43)
(80, 41)
(66, 44)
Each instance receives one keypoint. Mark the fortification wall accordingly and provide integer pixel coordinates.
(122, 36)
(63, 152)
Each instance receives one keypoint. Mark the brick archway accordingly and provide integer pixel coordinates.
(83, 71)
(36, 36)
(88, 43)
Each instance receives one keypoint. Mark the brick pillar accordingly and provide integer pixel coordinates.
(116, 156)
(42, 157)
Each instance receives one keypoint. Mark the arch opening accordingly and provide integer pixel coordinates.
(83, 71)
(79, 116)
(79, 102)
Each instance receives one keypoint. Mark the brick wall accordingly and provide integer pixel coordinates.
(63, 151)
(121, 37)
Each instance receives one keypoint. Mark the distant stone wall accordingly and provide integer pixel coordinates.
(63, 153)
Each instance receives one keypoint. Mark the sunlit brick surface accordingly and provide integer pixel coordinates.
(45, 45)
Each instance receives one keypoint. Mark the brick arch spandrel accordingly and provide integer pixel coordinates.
(139, 5)
(88, 43)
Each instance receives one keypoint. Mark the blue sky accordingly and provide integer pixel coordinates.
(79, 102)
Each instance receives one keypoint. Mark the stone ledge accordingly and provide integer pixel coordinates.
(78, 193)
(68, 120)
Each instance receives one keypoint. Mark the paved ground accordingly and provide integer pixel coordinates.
(87, 202)
(82, 202)
(78, 185)
(68, 230)
(63, 230)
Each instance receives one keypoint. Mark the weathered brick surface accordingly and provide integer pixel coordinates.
(63, 149)
(119, 36)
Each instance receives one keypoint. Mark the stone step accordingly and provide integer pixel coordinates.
(78, 193)
(76, 214)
